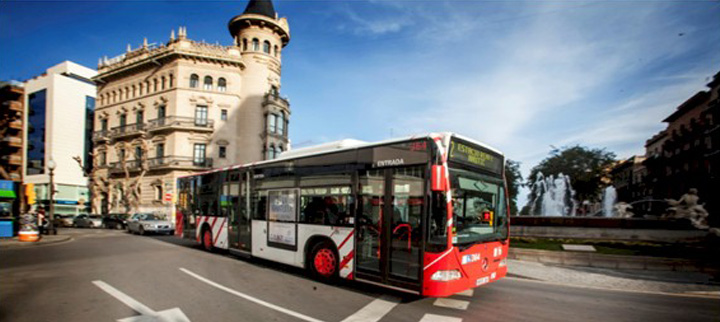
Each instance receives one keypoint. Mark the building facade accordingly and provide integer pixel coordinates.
(60, 105)
(11, 133)
(685, 154)
(173, 109)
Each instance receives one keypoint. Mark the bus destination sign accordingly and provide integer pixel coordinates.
(463, 152)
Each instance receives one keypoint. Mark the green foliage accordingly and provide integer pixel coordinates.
(586, 167)
(514, 181)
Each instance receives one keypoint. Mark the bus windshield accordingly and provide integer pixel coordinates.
(479, 210)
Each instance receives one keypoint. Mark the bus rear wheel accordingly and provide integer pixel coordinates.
(207, 240)
(324, 261)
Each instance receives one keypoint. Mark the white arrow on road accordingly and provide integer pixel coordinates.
(146, 314)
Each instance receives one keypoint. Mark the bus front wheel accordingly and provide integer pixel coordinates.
(324, 261)
(207, 240)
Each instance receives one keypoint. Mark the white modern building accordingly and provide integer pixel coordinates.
(58, 124)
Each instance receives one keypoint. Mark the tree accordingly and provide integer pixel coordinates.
(514, 181)
(586, 168)
(128, 189)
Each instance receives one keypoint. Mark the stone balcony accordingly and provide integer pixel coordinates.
(274, 99)
(102, 135)
(170, 123)
(170, 162)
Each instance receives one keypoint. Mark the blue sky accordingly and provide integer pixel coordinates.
(521, 76)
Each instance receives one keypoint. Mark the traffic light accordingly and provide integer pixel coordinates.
(30, 193)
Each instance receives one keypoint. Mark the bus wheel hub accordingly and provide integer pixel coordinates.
(325, 262)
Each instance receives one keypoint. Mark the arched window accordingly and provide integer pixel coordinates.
(194, 79)
(155, 85)
(147, 87)
(162, 82)
(275, 49)
(281, 124)
(207, 83)
(114, 96)
(171, 81)
(272, 123)
(266, 47)
(244, 44)
(134, 91)
(140, 89)
(222, 84)
(256, 44)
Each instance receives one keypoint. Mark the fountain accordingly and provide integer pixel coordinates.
(554, 196)
(608, 203)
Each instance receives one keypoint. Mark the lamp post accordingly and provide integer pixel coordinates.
(51, 221)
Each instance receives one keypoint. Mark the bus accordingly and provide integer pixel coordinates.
(425, 214)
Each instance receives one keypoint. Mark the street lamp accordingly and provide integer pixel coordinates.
(51, 222)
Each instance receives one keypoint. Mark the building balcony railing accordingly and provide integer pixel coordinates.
(102, 135)
(183, 162)
(12, 141)
(276, 99)
(160, 163)
(128, 130)
(179, 122)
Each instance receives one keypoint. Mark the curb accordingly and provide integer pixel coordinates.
(13, 244)
(566, 258)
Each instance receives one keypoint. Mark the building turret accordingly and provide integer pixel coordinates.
(261, 37)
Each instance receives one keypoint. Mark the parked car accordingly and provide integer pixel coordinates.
(115, 221)
(87, 220)
(64, 220)
(143, 223)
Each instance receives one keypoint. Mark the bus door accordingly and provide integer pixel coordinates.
(388, 229)
(235, 199)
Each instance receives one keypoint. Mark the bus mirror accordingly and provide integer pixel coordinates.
(438, 179)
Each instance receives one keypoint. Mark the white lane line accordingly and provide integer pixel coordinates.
(122, 297)
(468, 293)
(439, 318)
(250, 298)
(453, 304)
(375, 310)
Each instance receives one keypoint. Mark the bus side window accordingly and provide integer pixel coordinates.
(260, 205)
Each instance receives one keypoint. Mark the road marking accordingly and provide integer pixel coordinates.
(375, 310)
(453, 304)
(146, 313)
(251, 298)
(439, 318)
(468, 293)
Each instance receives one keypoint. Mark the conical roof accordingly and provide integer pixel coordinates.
(261, 7)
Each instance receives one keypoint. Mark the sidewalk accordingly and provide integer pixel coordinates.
(10, 243)
(625, 280)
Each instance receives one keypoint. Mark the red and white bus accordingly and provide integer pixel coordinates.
(424, 214)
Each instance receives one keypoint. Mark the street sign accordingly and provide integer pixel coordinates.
(168, 197)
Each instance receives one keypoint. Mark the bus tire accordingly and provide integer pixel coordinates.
(206, 240)
(323, 261)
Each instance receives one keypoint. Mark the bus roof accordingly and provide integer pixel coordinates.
(344, 145)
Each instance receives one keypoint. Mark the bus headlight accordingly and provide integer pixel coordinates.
(445, 276)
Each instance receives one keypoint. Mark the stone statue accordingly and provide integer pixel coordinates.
(687, 207)
(622, 209)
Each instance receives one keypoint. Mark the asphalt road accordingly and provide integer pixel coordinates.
(109, 275)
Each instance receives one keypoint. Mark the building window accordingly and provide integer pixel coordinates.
(271, 152)
(121, 156)
(266, 47)
(199, 154)
(161, 112)
(274, 91)
(104, 125)
(222, 84)
(134, 91)
(162, 82)
(160, 150)
(194, 79)
(155, 85)
(279, 150)
(201, 115)
(158, 192)
(123, 121)
(207, 83)
(223, 114)
(139, 118)
(222, 152)
(255, 45)
(170, 80)
(275, 50)
(272, 123)
(281, 124)
(244, 44)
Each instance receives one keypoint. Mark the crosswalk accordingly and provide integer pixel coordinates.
(456, 302)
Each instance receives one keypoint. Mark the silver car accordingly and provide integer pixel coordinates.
(143, 223)
(89, 221)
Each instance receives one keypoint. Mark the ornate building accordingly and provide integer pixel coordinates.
(172, 109)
